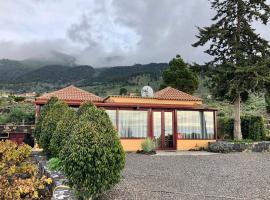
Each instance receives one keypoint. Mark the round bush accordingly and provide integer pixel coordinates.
(49, 123)
(62, 131)
(94, 157)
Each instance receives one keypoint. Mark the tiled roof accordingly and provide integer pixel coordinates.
(170, 93)
(71, 93)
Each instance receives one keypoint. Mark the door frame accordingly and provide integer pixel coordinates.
(163, 129)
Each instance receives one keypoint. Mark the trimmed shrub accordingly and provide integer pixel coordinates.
(49, 124)
(94, 157)
(44, 111)
(252, 127)
(62, 131)
(147, 145)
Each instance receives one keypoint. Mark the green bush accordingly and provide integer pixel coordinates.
(49, 124)
(252, 128)
(55, 164)
(44, 111)
(62, 131)
(94, 157)
(147, 145)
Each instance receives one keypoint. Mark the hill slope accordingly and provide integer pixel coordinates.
(18, 77)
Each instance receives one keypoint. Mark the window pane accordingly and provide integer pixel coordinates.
(195, 124)
(112, 115)
(209, 125)
(132, 123)
(157, 129)
(189, 124)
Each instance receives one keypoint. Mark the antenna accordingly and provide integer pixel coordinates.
(147, 91)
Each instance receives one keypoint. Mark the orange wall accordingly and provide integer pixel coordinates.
(131, 144)
(135, 144)
(192, 144)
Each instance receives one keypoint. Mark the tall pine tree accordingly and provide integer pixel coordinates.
(239, 53)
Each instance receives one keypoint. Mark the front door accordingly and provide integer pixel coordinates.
(163, 130)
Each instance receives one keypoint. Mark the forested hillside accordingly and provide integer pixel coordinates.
(19, 77)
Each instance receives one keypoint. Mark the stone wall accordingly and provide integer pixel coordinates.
(226, 147)
(61, 191)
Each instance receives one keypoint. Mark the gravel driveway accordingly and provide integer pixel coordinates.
(189, 177)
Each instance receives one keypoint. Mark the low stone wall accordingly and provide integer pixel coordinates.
(226, 147)
(61, 191)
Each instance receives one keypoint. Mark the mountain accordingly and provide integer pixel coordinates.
(21, 77)
(57, 74)
(10, 69)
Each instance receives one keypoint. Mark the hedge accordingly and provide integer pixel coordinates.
(252, 127)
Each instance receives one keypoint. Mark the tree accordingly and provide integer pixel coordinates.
(45, 109)
(178, 75)
(49, 124)
(123, 91)
(94, 156)
(62, 132)
(238, 66)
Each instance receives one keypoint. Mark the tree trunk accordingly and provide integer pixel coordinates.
(237, 121)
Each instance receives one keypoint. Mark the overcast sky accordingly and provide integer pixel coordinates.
(105, 32)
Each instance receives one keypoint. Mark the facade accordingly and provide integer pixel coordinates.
(173, 119)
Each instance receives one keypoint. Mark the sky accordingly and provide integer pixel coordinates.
(105, 32)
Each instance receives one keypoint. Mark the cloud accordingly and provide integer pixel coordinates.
(105, 32)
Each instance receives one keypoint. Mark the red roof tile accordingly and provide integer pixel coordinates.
(71, 93)
(170, 93)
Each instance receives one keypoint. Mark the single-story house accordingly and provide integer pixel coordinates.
(173, 119)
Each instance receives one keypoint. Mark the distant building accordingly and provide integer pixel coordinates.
(173, 119)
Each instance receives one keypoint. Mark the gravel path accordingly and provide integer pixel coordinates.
(188, 177)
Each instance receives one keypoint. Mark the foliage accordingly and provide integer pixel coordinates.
(55, 164)
(19, 178)
(94, 157)
(239, 64)
(252, 127)
(147, 145)
(44, 111)
(18, 98)
(178, 75)
(123, 91)
(62, 132)
(18, 115)
(49, 124)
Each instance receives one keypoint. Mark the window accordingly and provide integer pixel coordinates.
(112, 115)
(133, 123)
(209, 124)
(195, 124)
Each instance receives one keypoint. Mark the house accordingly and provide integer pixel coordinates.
(173, 119)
